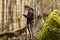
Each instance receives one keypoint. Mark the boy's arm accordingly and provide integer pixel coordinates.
(25, 15)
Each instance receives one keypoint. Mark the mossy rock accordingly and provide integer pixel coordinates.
(49, 29)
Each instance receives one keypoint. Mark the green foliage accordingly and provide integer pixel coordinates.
(48, 31)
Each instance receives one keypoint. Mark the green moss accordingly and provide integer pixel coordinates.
(5, 37)
(48, 31)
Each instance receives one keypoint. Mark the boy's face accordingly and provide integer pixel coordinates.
(27, 8)
(26, 11)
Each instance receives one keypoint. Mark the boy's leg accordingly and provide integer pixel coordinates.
(30, 30)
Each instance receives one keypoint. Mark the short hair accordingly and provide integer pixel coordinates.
(26, 6)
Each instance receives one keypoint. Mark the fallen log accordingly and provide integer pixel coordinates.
(6, 35)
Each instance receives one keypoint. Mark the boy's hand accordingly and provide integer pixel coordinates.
(23, 14)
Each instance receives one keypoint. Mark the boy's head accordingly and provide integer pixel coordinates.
(26, 7)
